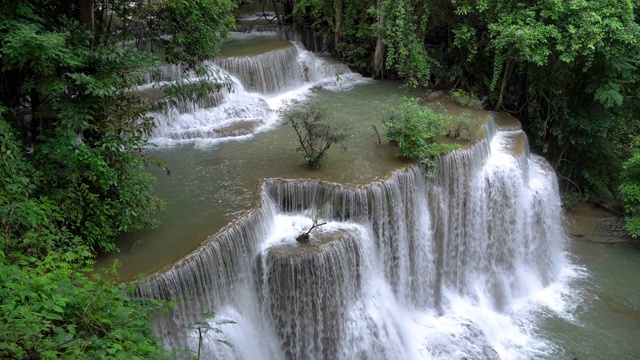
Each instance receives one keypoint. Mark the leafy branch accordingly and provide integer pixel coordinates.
(205, 326)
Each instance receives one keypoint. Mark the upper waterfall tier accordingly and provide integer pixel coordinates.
(254, 69)
(308, 37)
(267, 73)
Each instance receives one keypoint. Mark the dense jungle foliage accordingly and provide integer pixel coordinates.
(567, 69)
(72, 134)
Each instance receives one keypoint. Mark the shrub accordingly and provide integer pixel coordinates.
(62, 314)
(417, 130)
(315, 135)
(465, 128)
(630, 190)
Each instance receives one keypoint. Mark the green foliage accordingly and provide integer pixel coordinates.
(520, 36)
(209, 24)
(314, 133)
(358, 35)
(318, 14)
(209, 324)
(28, 223)
(68, 89)
(404, 31)
(62, 314)
(630, 190)
(568, 71)
(465, 128)
(107, 194)
(72, 142)
(417, 130)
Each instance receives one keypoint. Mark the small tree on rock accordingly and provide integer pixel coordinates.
(318, 216)
(305, 236)
(315, 134)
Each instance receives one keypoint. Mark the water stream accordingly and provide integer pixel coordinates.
(471, 263)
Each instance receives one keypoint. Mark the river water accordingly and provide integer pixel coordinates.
(602, 317)
(498, 277)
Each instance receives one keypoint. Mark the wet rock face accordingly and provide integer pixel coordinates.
(266, 73)
(307, 290)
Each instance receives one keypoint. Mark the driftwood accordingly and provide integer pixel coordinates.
(305, 237)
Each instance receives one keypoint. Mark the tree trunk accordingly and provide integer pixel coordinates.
(505, 79)
(86, 10)
(378, 55)
(337, 36)
(279, 18)
(287, 11)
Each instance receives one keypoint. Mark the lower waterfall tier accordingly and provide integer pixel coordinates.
(407, 267)
(308, 288)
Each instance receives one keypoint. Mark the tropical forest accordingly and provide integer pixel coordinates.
(319, 179)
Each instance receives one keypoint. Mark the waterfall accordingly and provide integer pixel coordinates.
(306, 36)
(407, 267)
(271, 72)
(498, 220)
(308, 291)
(260, 85)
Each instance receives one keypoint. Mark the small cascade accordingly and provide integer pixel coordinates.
(167, 73)
(248, 107)
(157, 79)
(217, 274)
(306, 36)
(240, 114)
(272, 72)
(332, 74)
(183, 119)
(407, 267)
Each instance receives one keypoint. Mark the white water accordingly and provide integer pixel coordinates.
(456, 267)
(262, 84)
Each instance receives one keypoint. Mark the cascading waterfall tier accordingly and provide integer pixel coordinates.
(158, 78)
(268, 73)
(244, 108)
(398, 256)
(306, 36)
(397, 214)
